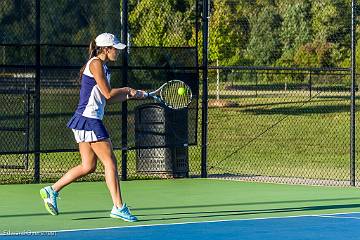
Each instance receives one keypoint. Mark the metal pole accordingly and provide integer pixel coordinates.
(310, 84)
(256, 83)
(27, 124)
(197, 27)
(217, 80)
(124, 109)
(353, 87)
(204, 125)
(37, 96)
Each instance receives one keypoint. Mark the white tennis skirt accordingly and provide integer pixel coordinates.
(86, 136)
(87, 129)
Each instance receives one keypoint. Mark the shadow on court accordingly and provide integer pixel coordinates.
(204, 214)
(211, 214)
(90, 218)
(47, 214)
(295, 111)
(249, 203)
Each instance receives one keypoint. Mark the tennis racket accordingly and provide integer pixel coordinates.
(174, 94)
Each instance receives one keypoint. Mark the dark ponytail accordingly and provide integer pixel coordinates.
(93, 52)
(93, 49)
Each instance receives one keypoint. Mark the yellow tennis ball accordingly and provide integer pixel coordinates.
(181, 91)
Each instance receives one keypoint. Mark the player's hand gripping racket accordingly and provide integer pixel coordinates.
(174, 94)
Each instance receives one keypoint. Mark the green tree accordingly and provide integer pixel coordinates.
(295, 31)
(229, 32)
(17, 26)
(161, 23)
(17, 22)
(265, 45)
(331, 20)
(315, 54)
(331, 24)
(75, 22)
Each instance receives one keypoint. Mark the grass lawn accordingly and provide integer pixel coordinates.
(271, 133)
(281, 133)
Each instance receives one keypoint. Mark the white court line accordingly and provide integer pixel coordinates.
(331, 215)
(339, 217)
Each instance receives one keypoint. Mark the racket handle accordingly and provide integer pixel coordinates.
(146, 95)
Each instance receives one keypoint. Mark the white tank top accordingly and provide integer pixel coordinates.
(92, 101)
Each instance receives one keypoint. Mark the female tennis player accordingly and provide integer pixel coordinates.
(88, 128)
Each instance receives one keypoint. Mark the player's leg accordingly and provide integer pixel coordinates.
(104, 151)
(88, 165)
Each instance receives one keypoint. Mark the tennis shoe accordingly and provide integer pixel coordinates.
(49, 196)
(123, 213)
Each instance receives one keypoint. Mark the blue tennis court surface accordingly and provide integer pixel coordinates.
(327, 226)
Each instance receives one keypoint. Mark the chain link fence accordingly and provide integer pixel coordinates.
(279, 88)
(281, 113)
(65, 30)
(163, 36)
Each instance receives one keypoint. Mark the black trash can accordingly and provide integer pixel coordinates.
(161, 137)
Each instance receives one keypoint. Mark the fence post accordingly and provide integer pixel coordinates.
(37, 96)
(204, 118)
(310, 84)
(124, 108)
(353, 87)
(256, 83)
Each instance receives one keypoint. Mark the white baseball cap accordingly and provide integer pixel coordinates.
(109, 40)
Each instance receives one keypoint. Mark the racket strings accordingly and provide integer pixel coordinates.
(172, 97)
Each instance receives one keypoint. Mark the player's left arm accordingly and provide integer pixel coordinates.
(112, 95)
(125, 93)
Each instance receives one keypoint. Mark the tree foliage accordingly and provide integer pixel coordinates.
(295, 30)
(248, 32)
(264, 45)
(161, 23)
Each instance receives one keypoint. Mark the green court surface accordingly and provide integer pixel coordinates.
(87, 205)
